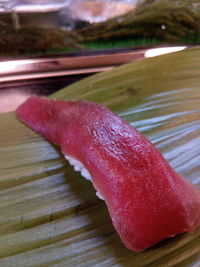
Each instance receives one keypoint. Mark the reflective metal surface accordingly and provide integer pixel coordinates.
(70, 64)
(20, 78)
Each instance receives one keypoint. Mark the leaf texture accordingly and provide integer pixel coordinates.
(50, 215)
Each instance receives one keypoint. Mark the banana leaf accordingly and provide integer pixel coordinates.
(50, 215)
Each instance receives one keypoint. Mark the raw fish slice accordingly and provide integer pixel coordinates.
(147, 200)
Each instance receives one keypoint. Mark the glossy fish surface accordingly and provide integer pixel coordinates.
(147, 200)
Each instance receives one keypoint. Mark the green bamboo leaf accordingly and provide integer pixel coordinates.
(50, 216)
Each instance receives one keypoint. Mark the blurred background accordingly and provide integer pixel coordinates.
(67, 40)
(46, 26)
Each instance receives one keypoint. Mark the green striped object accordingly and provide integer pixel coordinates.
(50, 215)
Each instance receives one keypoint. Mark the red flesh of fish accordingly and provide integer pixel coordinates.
(147, 200)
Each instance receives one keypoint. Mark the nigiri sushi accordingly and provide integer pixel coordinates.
(147, 200)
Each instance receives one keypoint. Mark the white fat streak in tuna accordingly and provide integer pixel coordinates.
(78, 166)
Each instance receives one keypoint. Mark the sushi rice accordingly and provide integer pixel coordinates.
(79, 167)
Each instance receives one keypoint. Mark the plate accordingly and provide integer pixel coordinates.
(49, 214)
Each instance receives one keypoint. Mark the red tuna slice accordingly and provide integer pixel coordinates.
(147, 200)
